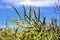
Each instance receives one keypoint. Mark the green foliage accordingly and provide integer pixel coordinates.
(34, 33)
(32, 28)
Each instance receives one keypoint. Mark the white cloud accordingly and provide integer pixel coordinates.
(37, 3)
(40, 3)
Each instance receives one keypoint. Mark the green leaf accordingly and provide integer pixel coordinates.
(16, 11)
(39, 14)
(30, 16)
(44, 21)
(25, 15)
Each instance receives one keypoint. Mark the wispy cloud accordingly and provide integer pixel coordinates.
(40, 3)
(37, 3)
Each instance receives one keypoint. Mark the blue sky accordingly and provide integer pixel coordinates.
(46, 8)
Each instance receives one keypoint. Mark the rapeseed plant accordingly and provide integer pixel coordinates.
(35, 29)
